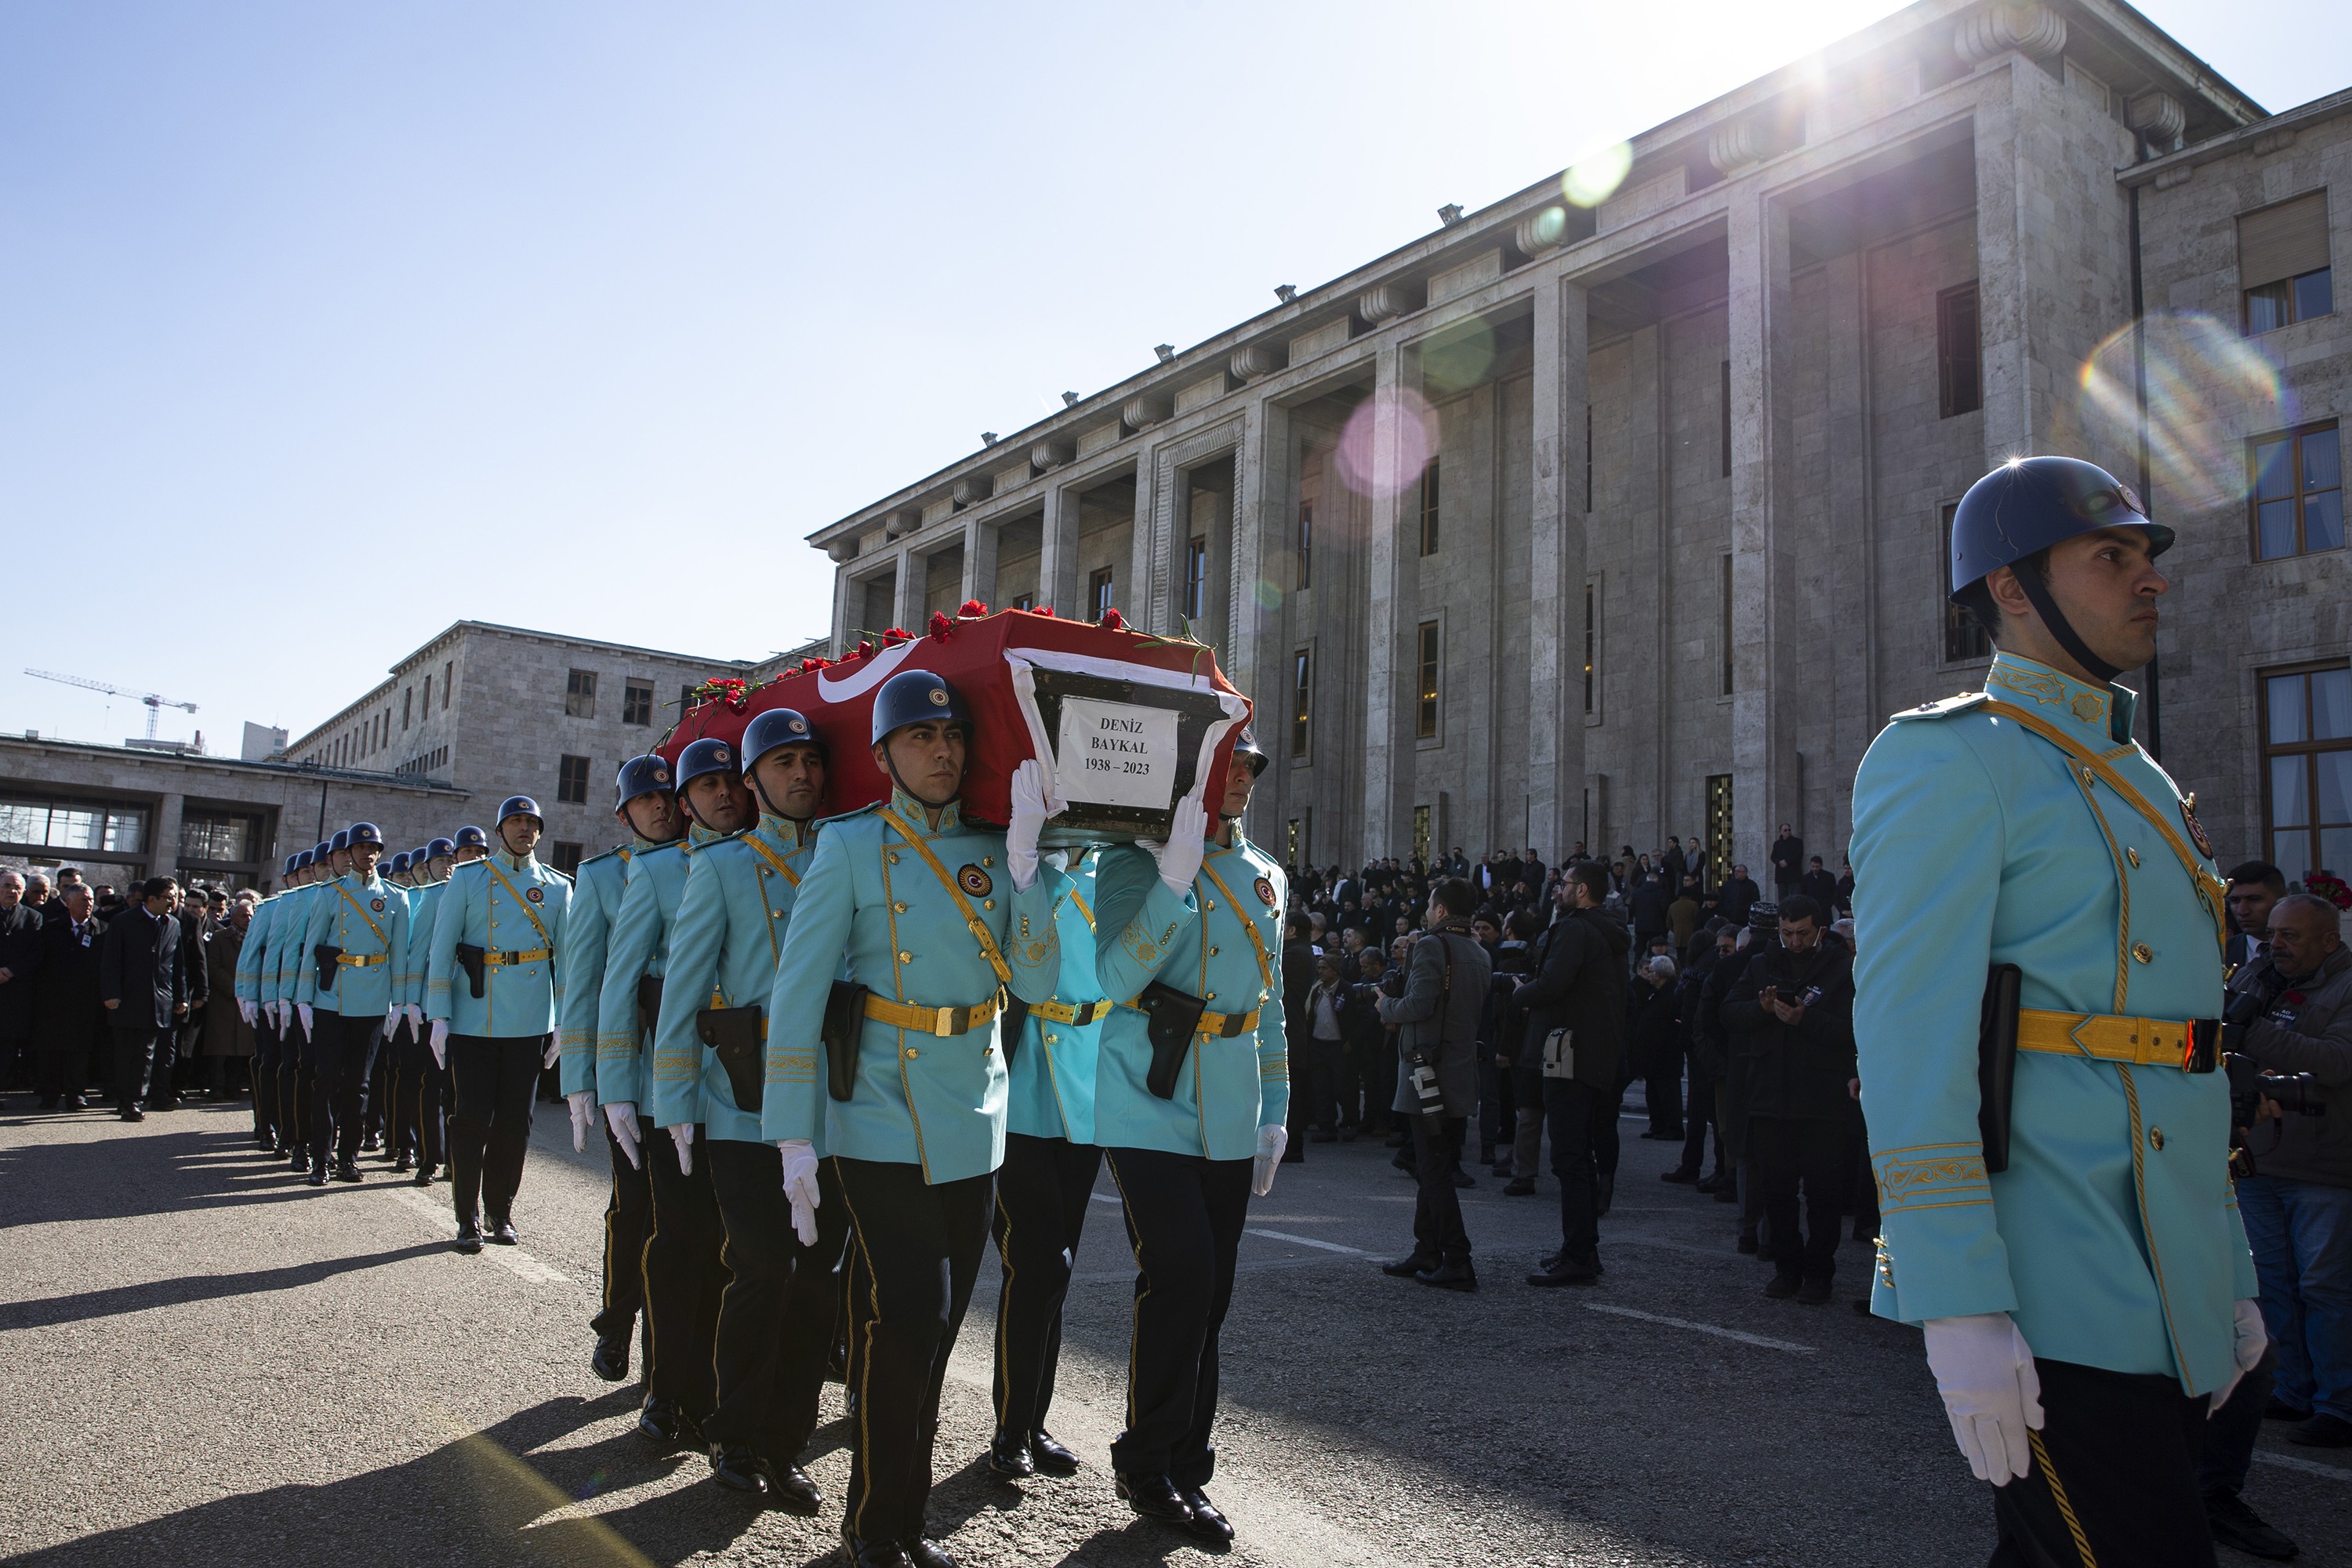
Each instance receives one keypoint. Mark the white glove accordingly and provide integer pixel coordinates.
(1180, 857)
(1985, 1372)
(683, 1136)
(554, 1049)
(415, 1016)
(800, 1186)
(247, 1011)
(622, 1118)
(1271, 1139)
(583, 1111)
(390, 1020)
(302, 1011)
(440, 1041)
(1028, 820)
(277, 1011)
(2250, 1337)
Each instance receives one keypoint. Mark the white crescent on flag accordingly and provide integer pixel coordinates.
(870, 674)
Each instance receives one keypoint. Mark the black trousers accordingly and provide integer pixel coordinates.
(1570, 1108)
(1662, 1086)
(1437, 1228)
(15, 1047)
(628, 1220)
(1184, 1218)
(918, 1248)
(684, 1276)
(295, 1058)
(339, 1084)
(490, 1080)
(418, 1089)
(140, 1055)
(776, 1313)
(1042, 1193)
(61, 1061)
(1697, 1117)
(1326, 1078)
(375, 1106)
(2114, 1478)
(266, 1050)
(1813, 1151)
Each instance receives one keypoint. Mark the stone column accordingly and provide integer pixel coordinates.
(848, 602)
(163, 845)
(1057, 552)
(979, 537)
(907, 609)
(1132, 593)
(1388, 747)
(1262, 501)
(2005, 343)
(1555, 573)
(1762, 455)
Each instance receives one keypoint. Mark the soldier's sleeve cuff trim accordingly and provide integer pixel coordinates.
(1931, 1176)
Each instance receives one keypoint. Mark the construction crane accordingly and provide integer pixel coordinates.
(155, 703)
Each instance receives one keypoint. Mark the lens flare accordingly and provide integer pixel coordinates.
(1389, 439)
(2208, 388)
(1460, 360)
(1593, 180)
(1268, 596)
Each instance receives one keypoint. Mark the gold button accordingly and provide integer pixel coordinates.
(2087, 776)
(1210, 906)
(2143, 953)
(900, 908)
(1212, 995)
(905, 958)
(2155, 1138)
(988, 859)
(988, 903)
(775, 914)
(1053, 1039)
(2132, 854)
(1213, 952)
(910, 1053)
(894, 857)
(988, 1050)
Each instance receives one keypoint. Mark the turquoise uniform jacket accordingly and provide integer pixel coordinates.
(252, 953)
(596, 890)
(723, 950)
(281, 971)
(367, 920)
(2113, 1239)
(1227, 1087)
(639, 945)
(500, 905)
(1053, 1073)
(921, 1099)
(423, 906)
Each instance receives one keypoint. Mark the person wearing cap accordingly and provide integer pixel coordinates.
(645, 804)
(355, 938)
(506, 909)
(297, 1057)
(421, 1084)
(252, 958)
(683, 1271)
(2088, 1301)
(378, 1131)
(928, 918)
(1195, 921)
(775, 1325)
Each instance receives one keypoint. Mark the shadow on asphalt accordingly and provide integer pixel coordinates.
(107, 1178)
(152, 1293)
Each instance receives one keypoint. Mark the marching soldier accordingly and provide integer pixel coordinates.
(683, 1271)
(1047, 1180)
(490, 993)
(910, 901)
(270, 1126)
(647, 808)
(355, 937)
(418, 1081)
(776, 1313)
(2072, 1245)
(297, 1057)
(1191, 1096)
(384, 1088)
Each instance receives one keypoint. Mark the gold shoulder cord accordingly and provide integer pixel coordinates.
(970, 917)
(1249, 924)
(538, 924)
(358, 909)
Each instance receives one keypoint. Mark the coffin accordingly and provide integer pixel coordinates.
(1127, 724)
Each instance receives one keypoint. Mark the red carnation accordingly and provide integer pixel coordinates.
(864, 648)
(940, 624)
(1111, 621)
(895, 635)
(1044, 609)
(972, 609)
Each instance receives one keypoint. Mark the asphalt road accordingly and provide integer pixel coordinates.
(204, 1361)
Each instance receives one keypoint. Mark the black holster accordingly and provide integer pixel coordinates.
(649, 994)
(845, 1026)
(325, 957)
(1997, 1062)
(1013, 1015)
(1170, 1017)
(471, 960)
(734, 1034)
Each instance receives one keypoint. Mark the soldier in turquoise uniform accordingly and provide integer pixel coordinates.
(491, 991)
(251, 956)
(384, 1079)
(2082, 1303)
(418, 1081)
(1047, 1180)
(355, 936)
(1191, 1092)
(683, 1272)
(646, 806)
(776, 1313)
(298, 1060)
(928, 918)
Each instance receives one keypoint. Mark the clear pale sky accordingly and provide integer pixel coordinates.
(324, 326)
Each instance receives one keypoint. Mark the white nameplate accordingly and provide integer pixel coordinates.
(1116, 754)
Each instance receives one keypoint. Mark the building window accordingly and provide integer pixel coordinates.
(2282, 263)
(28, 824)
(567, 857)
(1591, 639)
(637, 702)
(1588, 457)
(580, 695)
(1292, 845)
(572, 781)
(448, 681)
(406, 692)
(1025, 601)
(1196, 576)
(1965, 636)
(1420, 838)
(1424, 721)
(685, 701)
(1960, 381)
(1723, 631)
(428, 694)
(2308, 770)
(219, 836)
(1718, 829)
(1099, 592)
(1306, 543)
(1302, 701)
(2298, 493)
(1429, 509)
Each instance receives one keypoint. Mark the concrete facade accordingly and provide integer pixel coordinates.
(1714, 403)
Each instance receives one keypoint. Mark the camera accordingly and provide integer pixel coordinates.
(2294, 1093)
(1425, 1090)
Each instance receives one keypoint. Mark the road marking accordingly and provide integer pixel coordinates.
(1306, 1241)
(2309, 1468)
(513, 1260)
(1788, 1345)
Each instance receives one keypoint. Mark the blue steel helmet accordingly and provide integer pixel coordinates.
(305, 858)
(2028, 504)
(1246, 745)
(341, 843)
(398, 865)
(777, 727)
(365, 833)
(418, 856)
(470, 837)
(519, 806)
(641, 775)
(443, 848)
(319, 853)
(913, 696)
(709, 756)
(292, 862)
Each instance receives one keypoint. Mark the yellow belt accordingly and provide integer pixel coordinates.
(2142, 1042)
(1063, 1013)
(533, 956)
(1224, 1025)
(940, 1021)
(362, 960)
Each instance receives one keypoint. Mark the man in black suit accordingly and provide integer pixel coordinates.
(65, 1013)
(195, 920)
(2254, 887)
(20, 964)
(145, 993)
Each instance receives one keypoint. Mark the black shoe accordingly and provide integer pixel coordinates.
(2235, 1524)
(1347, 1135)
(1463, 1178)
(297, 1159)
(1728, 1194)
(737, 1467)
(131, 1113)
(1567, 1271)
(74, 1103)
(1399, 1139)
(1321, 1136)
(1208, 1524)
(1051, 1458)
(470, 1238)
(502, 1233)
(925, 1553)
(349, 1171)
(1502, 1170)
(1605, 1190)
(1450, 1277)
(1683, 1176)
(611, 1361)
(2322, 1431)
(1404, 1162)
(1814, 1291)
(660, 1422)
(401, 1161)
(368, 1145)
(1008, 1456)
(48, 1102)
(2280, 1410)
(318, 1176)
(790, 1489)
(1520, 1187)
(1781, 1286)
(423, 1178)
(864, 1553)
(1748, 1243)
(1153, 1496)
(1407, 1268)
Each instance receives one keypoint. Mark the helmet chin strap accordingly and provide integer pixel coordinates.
(2037, 593)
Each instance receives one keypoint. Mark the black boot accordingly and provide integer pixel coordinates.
(1009, 1455)
(611, 1361)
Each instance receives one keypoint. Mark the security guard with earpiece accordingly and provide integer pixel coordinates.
(776, 1313)
(926, 920)
(2040, 929)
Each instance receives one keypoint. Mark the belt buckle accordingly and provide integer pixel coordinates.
(2202, 1051)
(942, 1026)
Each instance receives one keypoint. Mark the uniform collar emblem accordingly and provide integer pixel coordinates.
(1265, 889)
(2196, 829)
(535, 895)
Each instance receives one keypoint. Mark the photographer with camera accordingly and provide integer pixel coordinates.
(1436, 1021)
